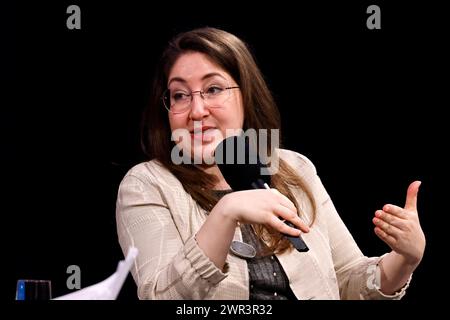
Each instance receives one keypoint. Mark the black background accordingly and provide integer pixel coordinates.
(366, 106)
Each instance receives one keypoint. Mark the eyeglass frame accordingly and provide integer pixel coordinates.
(191, 94)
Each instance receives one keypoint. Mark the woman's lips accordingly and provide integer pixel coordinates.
(204, 135)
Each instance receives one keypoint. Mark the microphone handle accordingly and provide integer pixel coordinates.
(297, 242)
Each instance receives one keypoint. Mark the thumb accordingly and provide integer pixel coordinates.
(411, 196)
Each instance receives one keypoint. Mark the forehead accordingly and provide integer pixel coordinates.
(193, 66)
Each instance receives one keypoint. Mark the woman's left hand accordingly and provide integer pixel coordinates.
(400, 227)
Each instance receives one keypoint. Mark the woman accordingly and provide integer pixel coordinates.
(183, 217)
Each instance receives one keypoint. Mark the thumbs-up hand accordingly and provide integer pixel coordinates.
(400, 227)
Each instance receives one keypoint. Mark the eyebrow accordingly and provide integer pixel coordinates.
(206, 76)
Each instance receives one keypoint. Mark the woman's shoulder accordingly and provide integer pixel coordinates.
(297, 160)
(151, 172)
(305, 168)
(146, 168)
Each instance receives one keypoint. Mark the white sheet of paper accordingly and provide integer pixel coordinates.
(109, 288)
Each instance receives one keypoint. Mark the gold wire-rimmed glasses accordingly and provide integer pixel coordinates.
(179, 100)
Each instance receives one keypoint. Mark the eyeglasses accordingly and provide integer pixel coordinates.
(179, 100)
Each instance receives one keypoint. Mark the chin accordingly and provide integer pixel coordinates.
(205, 154)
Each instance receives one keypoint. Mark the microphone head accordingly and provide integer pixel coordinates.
(240, 164)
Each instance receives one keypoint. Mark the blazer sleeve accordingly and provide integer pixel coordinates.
(356, 273)
(166, 268)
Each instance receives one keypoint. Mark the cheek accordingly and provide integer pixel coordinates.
(177, 121)
(240, 117)
(178, 127)
(228, 124)
(239, 112)
(233, 116)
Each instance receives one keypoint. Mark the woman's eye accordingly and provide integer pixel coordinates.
(214, 90)
(177, 96)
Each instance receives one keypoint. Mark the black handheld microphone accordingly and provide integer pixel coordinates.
(241, 167)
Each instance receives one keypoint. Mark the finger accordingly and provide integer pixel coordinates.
(301, 224)
(411, 196)
(284, 200)
(391, 219)
(396, 211)
(387, 227)
(286, 214)
(390, 241)
(282, 227)
(295, 219)
(291, 216)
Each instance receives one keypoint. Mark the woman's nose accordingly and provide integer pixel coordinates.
(198, 108)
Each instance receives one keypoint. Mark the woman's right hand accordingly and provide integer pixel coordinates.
(263, 206)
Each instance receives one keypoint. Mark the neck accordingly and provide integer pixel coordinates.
(214, 170)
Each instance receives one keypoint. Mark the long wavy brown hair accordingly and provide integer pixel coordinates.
(260, 112)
